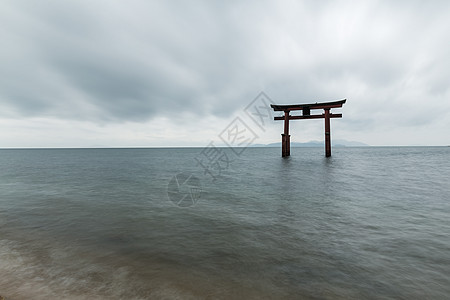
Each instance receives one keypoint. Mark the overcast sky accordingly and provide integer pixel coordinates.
(176, 73)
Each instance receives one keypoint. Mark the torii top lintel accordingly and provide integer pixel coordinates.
(322, 105)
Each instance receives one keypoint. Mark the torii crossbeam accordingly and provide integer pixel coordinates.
(306, 114)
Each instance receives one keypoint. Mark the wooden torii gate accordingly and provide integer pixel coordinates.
(306, 114)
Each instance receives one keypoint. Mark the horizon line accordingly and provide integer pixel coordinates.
(185, 147)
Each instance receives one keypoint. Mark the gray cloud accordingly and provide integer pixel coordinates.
(128, 66)
(110, 61)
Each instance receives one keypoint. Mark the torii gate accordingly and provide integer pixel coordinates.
(306, 114)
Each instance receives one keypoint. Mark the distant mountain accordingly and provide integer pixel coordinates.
(334, 143)
(346, 143)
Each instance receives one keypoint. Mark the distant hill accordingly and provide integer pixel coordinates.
(334, 143)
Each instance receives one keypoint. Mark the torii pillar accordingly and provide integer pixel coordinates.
(306, 114)
(285, 137)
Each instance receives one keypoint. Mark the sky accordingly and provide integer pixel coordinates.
(108, 73)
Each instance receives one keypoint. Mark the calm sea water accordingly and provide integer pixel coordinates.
(367, 223)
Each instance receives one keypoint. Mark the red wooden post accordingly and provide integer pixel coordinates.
(327, 133)
(285, 137)
(286, 122)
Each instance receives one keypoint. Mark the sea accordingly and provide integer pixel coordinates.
(225, 223)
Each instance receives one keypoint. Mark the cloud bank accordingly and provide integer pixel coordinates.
(114, 62)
